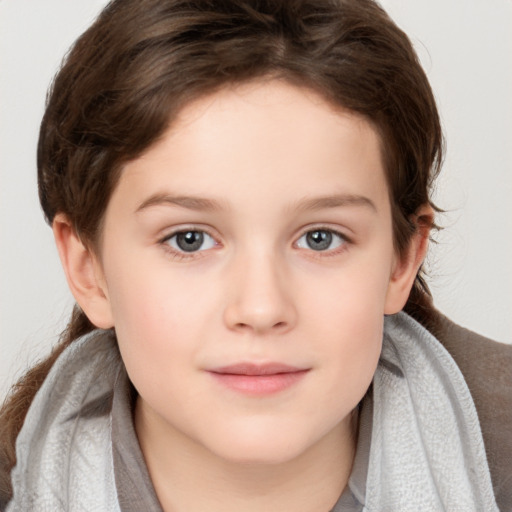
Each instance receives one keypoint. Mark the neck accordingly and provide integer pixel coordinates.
(187, 476)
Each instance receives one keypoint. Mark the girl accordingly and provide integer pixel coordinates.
(239, 193)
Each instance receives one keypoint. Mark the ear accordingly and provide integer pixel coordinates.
(83, 273)
(405, 268)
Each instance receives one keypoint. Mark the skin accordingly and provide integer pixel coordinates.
(274, 162)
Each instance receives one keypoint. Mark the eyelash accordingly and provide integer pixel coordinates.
(183, 255)
(344, 242)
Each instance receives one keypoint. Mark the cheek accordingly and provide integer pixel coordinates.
(147, 291)
(159, 317)
(348, 316)
(158, 333)
(353, 348)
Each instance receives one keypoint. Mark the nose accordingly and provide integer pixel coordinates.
(260, 297)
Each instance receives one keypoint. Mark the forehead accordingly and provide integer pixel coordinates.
(271, 107)
(267, 140)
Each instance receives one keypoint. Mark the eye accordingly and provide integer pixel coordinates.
(321, 240)
(190, 241)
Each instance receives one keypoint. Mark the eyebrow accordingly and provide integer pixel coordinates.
(189, 202)
(211, 205)
(334, 201)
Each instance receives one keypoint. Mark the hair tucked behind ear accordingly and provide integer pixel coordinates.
(130, 73)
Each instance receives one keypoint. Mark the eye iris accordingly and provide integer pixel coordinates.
(190, 241)
(319, 240)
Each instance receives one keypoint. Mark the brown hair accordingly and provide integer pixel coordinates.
(142, 60)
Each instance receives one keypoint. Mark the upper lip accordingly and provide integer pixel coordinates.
(247, 368)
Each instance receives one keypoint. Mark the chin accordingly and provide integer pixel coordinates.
(260, 455)
(261, 446)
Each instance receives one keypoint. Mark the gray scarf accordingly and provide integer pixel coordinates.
(427, 452)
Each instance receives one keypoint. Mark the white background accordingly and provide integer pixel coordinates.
(466, 49)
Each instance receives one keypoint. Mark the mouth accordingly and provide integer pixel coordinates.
(258, 379)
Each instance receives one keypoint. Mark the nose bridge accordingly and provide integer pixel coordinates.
(260, 297)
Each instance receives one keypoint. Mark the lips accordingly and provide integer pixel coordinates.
(256, 369)
(258, 379)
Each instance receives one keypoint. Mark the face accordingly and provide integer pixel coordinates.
(247, 261)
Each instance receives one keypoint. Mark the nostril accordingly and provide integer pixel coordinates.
(243, 326)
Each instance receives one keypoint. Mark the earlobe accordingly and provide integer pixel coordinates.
(406, 268)
(83, 273)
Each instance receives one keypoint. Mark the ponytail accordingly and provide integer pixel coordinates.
(17, 402)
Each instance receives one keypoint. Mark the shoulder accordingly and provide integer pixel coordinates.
(485, 364)
(487, 369)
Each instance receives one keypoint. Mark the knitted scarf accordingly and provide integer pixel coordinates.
(427, 452)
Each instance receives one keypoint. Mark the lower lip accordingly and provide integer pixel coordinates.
(259, 384)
